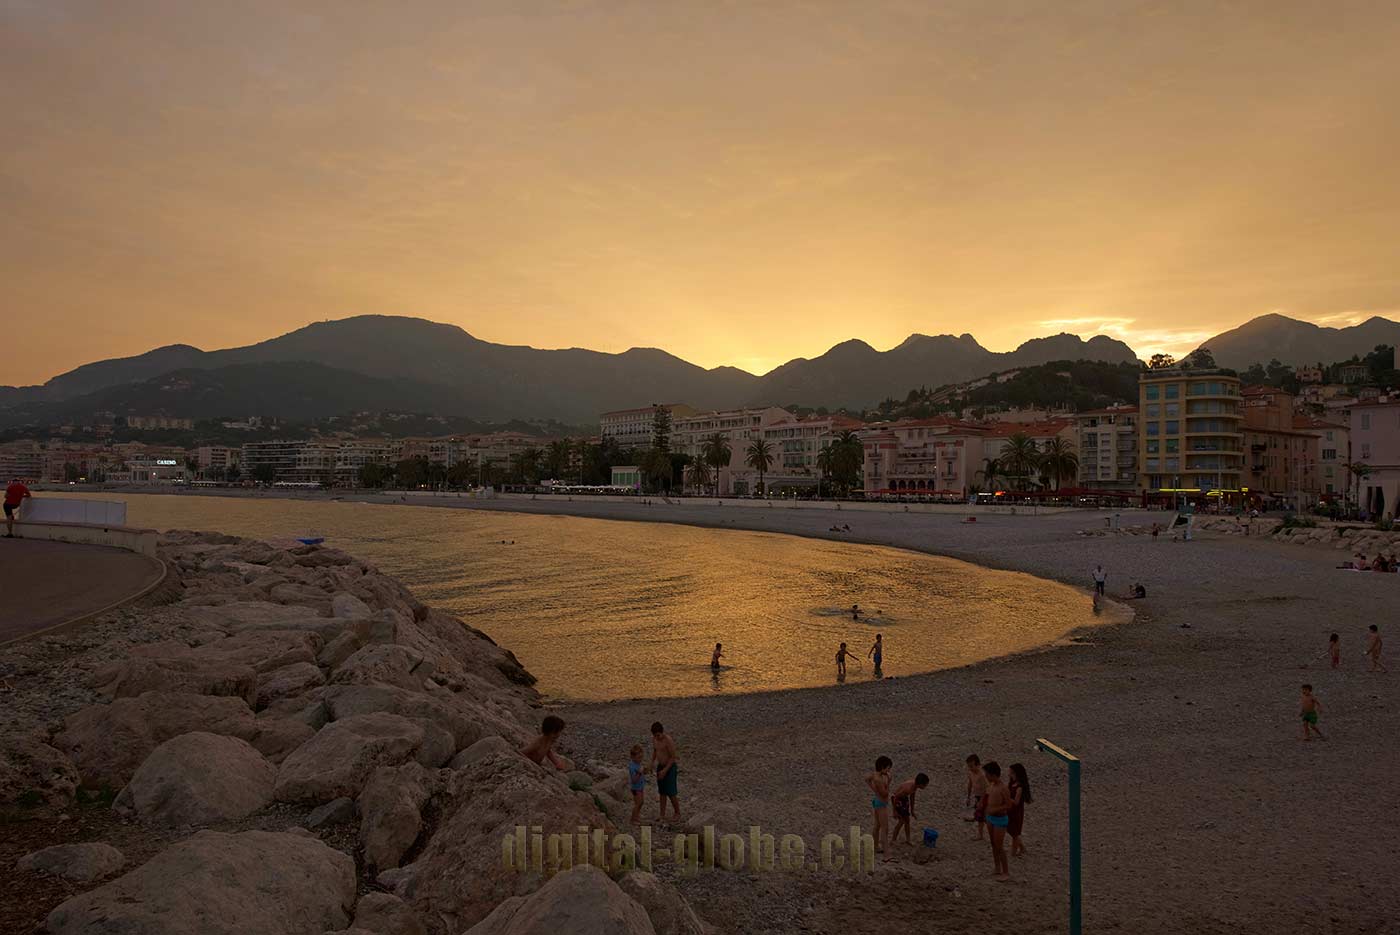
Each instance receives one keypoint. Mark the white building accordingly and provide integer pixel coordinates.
(1107, 442)
(632, 428)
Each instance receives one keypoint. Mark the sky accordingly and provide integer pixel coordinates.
(736, 182)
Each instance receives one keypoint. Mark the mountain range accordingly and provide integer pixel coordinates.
(410, 364)
(1295, 342)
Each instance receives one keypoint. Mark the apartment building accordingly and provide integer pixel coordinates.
(23, 459)
(937, 457)
(1107, 443)
(1191, 435)
(216, 457)
(279, 456)
(1281, 460)
(741, 427)
(158, 422)
(632, 428)
(1375, 442)
(796, 445)
(1332, 454)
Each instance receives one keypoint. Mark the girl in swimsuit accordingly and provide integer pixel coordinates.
(879, 783)
(1020, 788)
(714, 660)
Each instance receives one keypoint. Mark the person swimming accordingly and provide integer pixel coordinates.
(855, 611)
(714, 660)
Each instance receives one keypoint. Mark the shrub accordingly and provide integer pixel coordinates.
(1290, 521)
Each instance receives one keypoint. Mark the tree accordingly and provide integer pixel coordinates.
(1202, 358)
(233, 473)
(556, 458)
(759, 457)
(826, 460)
(1020, 459)
(847, 458)
(70, 472)
(265, 473)
(656, 465)
(716, 453)
(1059, 460)
(1255, 375)
(700, 474)
(412, 472)
(216, 473)
(373, 475)
(1359, 471)
(991, 472)
(661, 429)
(1161, 361)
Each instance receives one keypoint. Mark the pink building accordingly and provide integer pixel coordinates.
(1375, 442)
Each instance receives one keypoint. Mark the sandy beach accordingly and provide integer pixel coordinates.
(1203, 810)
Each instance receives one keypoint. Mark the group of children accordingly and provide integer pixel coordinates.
(1308, 705)
(663, 764)
(876, 654)
(996, 805)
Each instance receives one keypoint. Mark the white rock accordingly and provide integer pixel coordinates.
(581, 901)
(337, 761)
(197, 779)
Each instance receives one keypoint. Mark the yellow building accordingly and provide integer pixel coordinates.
(1190, 431)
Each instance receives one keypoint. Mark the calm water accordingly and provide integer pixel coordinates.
(602, 610)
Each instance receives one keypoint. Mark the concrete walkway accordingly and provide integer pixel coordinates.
(44, 584)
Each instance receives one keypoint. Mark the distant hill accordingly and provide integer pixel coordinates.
(1294, 342)
(432, 367)
(857, 376)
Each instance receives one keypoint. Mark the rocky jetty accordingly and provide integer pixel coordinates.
(293, 743)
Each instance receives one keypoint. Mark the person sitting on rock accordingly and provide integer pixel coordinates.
(542, 747)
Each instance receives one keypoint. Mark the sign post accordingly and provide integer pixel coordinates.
(1076, 893)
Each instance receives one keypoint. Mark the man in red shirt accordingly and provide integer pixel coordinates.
(14, 495)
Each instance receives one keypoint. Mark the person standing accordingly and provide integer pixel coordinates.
(877, 652)
(663, 766)
(1100, 580)
(15, 494)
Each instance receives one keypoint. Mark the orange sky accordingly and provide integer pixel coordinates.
(735, 182)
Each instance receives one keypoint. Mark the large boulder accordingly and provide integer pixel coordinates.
(173, 668)
(383, 914)
(337, 761)
(265, 650)
(391, 806)
(384, 664)
(253, 883)
(670, 914)
(581, 901)
(287, 681)
(32, 771)
(483, 748)
(198, 779)
(261, 616)
(279, 736)
(466, 719)
(77, 863)
(107, 742)
(345, 604)
(458, 876)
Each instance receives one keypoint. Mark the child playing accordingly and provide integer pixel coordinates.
(1334, 650)
(976, 792)
(636, 781)
(542, 747)
(879, 783)
(714, 660)
(842, 655)
(902, 798)
(998, 804)
(1373, 649)
(877, 652)
(1308, 708)
(1020, 789)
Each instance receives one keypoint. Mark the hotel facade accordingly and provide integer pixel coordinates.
(1192, 432)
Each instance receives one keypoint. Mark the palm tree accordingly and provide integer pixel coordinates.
(656, 464)
(1359, 471)
(826, 462)
(1059, 460)
(991, 472)
(700, 474)
(760, 458)
(715, 452)
(556, 458)
(848, 454)
(1020, 458)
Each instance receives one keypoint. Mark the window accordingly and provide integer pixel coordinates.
(1154, 428)
(1153, 465)
(1151, 391)
(1173, 464)
(1172, 444)
(1365, 420)
(1173, 409)
(1152, 447)
(1154, 411)
(1329, 454)
(1329, 436)
(1173, 428)
(1365, 450)
(1173, 390)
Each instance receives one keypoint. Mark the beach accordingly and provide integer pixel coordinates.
(1203, 811)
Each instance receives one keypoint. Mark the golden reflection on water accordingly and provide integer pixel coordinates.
(600, 609)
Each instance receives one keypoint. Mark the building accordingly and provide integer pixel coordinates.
(1353, 373)
(1281, 461)
(796, 444)
(1190, 437)
(1332, 456)
(1375, 443)
(277, 458)
(632, 428)
(216, 457)
(158, 422)
(740, 427)
(627, 475)
(1107, 443)
(22, 459)
(1309, 373)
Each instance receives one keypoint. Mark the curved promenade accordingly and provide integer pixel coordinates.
(46, 584)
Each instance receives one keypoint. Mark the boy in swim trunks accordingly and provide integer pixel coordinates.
(976, 792)
(998, 804)
(902, 799)
(877, 652)
(879, 783)
(842, 655)
(1308, 707)
(663, 763)
(542, 747)
(1373, 649)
